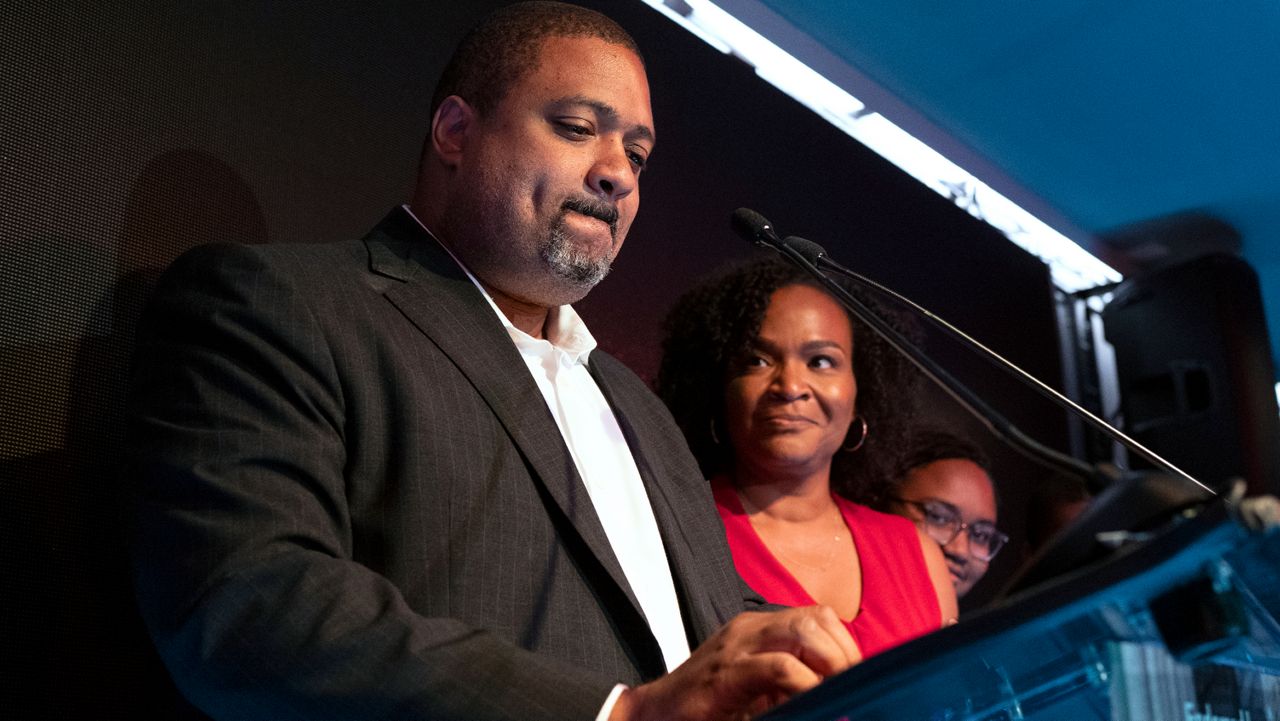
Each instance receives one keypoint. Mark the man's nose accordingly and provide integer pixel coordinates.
(611, 176)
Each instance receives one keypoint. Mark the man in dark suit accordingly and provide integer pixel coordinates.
(392, 478)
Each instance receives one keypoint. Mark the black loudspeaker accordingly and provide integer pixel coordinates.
(1193, 361)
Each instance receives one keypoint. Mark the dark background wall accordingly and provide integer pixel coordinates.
(131, 132)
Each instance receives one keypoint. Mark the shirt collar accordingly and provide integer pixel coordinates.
(565, 330)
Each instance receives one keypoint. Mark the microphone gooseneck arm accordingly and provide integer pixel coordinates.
(826, 262)
(810, 257)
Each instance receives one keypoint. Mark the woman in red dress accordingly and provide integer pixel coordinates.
(761, 370)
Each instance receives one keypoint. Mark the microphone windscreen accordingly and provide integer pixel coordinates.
(751, 225)
(807, 249)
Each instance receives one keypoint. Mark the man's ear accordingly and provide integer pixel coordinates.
(449, 129)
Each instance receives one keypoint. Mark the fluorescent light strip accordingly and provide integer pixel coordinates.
(1072, 267)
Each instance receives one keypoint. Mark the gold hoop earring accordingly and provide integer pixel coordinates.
(862, 437)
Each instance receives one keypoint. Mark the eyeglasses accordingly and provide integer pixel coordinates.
(942, 523)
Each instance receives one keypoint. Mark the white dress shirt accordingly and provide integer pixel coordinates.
(603, 458)
(558, 365)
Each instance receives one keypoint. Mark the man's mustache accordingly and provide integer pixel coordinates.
(599, 209)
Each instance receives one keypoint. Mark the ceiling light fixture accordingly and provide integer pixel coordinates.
(1072, 267)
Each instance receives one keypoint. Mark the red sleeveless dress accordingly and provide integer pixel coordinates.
(898, 598)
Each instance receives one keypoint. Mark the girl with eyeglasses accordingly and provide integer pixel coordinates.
(945, 487)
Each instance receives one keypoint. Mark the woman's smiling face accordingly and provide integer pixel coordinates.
(791, 399)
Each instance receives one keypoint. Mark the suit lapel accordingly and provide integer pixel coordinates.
(667, 492)
(433, 292)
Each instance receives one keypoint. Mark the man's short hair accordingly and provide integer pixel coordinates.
(505, 46)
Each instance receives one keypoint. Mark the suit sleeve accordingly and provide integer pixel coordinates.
(242, 557)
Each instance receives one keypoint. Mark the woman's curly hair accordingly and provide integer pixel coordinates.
(716, 323)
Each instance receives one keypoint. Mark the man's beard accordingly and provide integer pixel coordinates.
(570, 262)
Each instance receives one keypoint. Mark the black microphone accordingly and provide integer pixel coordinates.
(754, 227)
(757, 229)
(808, 250)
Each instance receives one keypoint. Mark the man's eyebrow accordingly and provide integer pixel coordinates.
(608, 112)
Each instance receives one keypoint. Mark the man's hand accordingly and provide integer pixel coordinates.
(751, 664)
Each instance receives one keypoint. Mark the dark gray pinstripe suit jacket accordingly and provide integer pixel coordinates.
(354, 503)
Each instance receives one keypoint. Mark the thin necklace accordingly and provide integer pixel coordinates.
(831, 550)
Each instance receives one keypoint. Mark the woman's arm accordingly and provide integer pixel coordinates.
(941, 578)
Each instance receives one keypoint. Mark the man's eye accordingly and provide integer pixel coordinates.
(822, 361)
(981, 536)
(577, 129)
(638, 160)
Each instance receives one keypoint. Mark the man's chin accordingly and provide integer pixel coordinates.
(557, 288)
(576, 271)
(573, 289)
